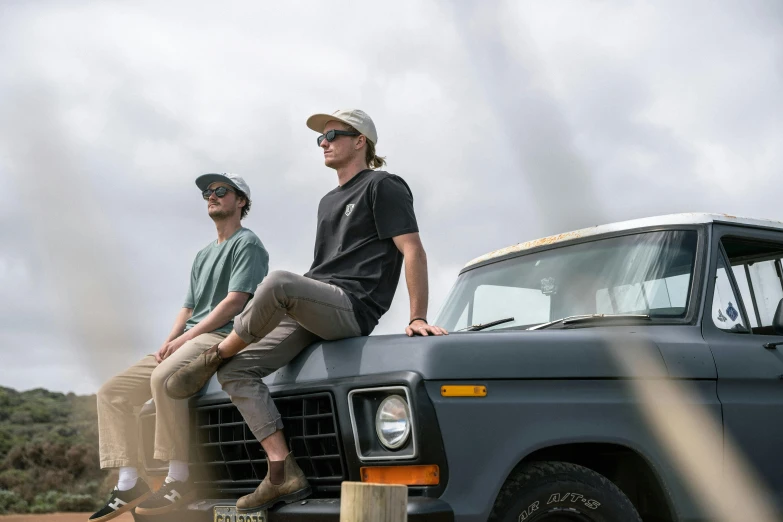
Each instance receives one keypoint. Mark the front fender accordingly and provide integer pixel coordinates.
(486, 437)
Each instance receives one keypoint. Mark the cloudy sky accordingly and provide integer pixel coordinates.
(509, 120)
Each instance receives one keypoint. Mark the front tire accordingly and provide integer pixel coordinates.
(561, 492)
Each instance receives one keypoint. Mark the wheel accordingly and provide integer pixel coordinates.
(561, 492)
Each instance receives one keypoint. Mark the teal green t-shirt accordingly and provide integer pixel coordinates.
(238, 264)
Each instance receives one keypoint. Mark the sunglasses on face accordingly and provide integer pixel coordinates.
(332, 134)
(219, 192)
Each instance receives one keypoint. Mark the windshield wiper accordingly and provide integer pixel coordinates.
(477, 327)
(573, 319)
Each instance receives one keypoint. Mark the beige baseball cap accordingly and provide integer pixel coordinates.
(205, 180)
(353, 117)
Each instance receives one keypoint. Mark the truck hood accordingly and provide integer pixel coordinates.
(587, 353)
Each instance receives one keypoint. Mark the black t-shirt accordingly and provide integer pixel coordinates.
(354, 249)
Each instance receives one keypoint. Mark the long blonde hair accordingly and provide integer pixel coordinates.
(373, 160)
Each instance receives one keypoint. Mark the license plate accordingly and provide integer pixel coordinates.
(229, 514)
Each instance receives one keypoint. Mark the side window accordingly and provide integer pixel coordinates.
(765, 278)
(741, 277)
(725, 308)
(757, 268)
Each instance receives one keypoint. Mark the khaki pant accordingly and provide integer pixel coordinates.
(117, 423)
(288, 312)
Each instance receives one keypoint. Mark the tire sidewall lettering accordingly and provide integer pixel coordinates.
(567, 499)
(545, 488)
(573, 498)
(532, 508)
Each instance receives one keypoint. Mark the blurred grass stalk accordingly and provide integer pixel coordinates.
(727, 489)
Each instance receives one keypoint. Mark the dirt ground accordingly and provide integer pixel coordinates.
(59, 517)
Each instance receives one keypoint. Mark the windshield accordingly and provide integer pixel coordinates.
(648, 273)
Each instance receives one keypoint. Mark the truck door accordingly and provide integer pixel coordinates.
(742, 295)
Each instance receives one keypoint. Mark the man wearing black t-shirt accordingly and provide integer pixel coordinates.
(366, 227)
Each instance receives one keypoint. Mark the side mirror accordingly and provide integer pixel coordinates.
(777, 319)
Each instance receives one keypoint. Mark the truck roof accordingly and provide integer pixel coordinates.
(670, 219)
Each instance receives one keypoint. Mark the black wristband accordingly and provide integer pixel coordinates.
(417, 319)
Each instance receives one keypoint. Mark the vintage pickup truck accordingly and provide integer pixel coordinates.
(524, 412)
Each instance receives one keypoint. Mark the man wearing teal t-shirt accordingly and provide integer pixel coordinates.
(223, 278)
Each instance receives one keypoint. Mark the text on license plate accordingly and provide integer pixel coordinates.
(229, 514)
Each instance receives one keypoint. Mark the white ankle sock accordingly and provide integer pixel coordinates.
(128, 478)
(178, 470)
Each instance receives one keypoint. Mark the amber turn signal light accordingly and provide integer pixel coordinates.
(405, 475)
(471, 390)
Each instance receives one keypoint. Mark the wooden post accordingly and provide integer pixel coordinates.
(363, 502)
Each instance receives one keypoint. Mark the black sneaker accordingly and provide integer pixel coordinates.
(172, 494)
(122, 501)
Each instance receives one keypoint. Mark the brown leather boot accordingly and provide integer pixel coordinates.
(189, 379)
(294, 487)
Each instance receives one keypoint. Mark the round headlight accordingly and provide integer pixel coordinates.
(392, 422)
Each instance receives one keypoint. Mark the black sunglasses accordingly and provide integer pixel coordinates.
(219, 192)
(332, 134)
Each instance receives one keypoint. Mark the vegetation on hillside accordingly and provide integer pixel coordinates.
(49, 453)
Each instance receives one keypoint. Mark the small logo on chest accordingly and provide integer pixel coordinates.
(349, 208)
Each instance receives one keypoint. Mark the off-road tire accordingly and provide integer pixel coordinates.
(561, 492)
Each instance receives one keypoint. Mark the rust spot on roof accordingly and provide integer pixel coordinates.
(672, 219)
(549, 240)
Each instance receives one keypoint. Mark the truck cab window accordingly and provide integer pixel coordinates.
(757, 269)
(725, 306)
(525, 305)
(767, 288)
(657, 295)
(648, 273)
(741, 277)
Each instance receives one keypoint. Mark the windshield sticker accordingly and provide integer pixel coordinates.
(732, 312)
(721, 317)
(548, 286)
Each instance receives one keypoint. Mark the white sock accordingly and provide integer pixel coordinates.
(128, 478)
(178, 470)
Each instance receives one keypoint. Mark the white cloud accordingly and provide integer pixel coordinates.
(509, 121)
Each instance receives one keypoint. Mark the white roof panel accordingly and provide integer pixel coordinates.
(671, 219)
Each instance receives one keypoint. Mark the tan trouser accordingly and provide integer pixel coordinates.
(288, 312)
(117, 423)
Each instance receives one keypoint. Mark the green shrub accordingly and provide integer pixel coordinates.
(21, 417)
(12, 478)
(6, 442)
(49, 452)
(11, 502)
(71, 502)
(45, 502)
(91, 488)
